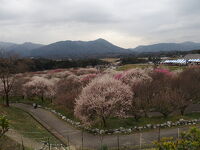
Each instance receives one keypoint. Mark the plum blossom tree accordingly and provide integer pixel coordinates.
(39, 87)
(68, 89)
(82, 71)
(189, 83)
(164, 101)
(18, 90)
(143, 96)
(102, 98)
(163, 71)
(63, 74)
(85, 79)
(139, 81)
(165, 96)
(133, 77)
(187, 87)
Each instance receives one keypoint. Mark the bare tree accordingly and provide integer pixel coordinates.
(164, 102)
(7, 76)
(143, 94)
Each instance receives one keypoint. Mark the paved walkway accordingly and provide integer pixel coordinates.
(66, 132)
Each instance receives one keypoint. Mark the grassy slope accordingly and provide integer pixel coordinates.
(8, 144)
(26, 125)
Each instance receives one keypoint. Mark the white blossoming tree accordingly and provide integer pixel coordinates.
(102, 98)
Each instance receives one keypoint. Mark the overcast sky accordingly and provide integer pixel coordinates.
(126, 23)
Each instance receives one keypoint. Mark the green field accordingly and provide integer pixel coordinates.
(132, 66)
(143, 66)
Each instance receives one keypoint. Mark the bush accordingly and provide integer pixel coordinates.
(3, 125)
(189, 140)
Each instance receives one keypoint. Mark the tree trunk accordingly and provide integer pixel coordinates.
(146, 114)
(104, 121)
(182, 110)
(136, 118)
(42, 99)
(7, 100)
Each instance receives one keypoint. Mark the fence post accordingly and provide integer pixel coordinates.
(101, 138)
(140, 140)
(68, 142)
(159, 134)
(178, 133)
(118, 142)
(49, 144)
(82, 140)
(22, 143)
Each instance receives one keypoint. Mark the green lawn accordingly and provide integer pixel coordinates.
(26, 125)
(114, 123)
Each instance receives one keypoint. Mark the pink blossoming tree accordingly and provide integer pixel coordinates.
(133, 77)
(102, 98)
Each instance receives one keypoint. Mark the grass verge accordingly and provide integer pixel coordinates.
(8, 144)
(26, 125)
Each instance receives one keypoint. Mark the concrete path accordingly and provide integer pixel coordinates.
(66, 133)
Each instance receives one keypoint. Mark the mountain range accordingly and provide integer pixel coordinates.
(88, 49)
(23, 50)
(164, 47)
(79, 49)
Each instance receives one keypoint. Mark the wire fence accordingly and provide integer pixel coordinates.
(137, 141)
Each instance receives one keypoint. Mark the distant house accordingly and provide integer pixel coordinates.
(175, 62)
(192, 59)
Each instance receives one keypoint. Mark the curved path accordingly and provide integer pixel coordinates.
(67, 133)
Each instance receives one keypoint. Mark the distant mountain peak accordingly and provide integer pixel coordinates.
(79, 49)
(100, 39)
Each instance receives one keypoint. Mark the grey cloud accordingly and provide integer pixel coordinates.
(139, 22)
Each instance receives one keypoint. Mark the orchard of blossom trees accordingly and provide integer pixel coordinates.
(94, 96)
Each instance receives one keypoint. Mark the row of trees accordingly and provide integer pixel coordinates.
(137, 92)
(10, 66)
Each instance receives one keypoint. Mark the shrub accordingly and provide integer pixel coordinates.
(189, 140)
(3, 125)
